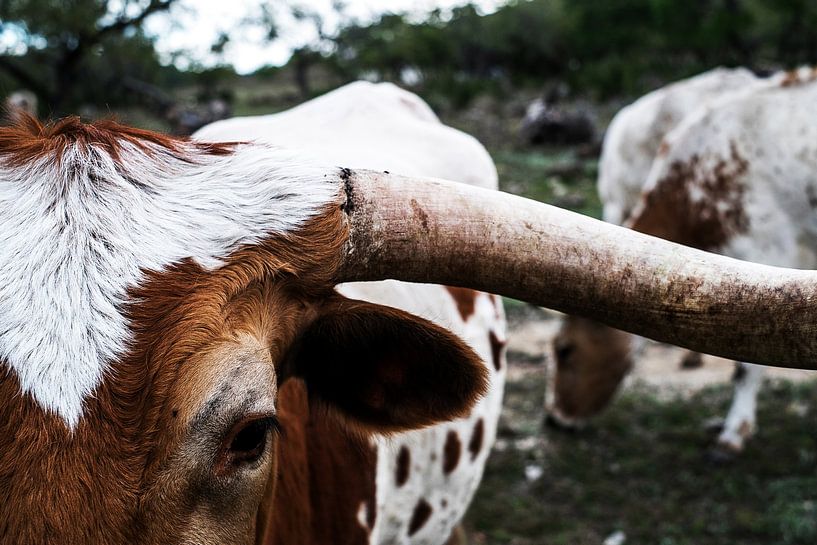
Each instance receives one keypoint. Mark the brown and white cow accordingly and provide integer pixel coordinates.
(737, 177)
(175, 356)
(631, 143)
(588, 378)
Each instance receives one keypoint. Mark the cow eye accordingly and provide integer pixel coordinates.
(563, 352)
(246, 442)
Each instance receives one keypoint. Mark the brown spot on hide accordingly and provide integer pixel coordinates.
(477, 436)
(421, 514)
(497, 345)
(692, 360)
(790, 78)
(403, 466)
(451, 452)
(797, 77)
(465, 300)
(497, 301)
(707, 222)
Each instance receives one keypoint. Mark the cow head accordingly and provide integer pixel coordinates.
(591, 360)
(153, 306)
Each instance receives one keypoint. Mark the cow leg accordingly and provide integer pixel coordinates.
(740, 421)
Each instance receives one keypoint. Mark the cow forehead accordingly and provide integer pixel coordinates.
(79, 230)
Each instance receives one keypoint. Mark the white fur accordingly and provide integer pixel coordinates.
(382, 127)
(77, 233)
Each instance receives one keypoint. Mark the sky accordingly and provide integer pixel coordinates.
(194, 25)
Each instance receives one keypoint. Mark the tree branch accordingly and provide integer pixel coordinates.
(155, 6)
(24, 78)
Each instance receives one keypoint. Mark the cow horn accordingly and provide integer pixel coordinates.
(427, 230)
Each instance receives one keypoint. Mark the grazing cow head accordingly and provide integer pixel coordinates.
(697, 202)
(591, 360)
(155, 294)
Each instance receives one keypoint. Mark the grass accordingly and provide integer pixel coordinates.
(556, 176)
(641, 469)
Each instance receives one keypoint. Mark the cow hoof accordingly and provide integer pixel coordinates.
(721, 455)
(714, 425)
(553, 423)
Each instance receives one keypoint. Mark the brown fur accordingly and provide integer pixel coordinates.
(706, 224)
(27, 139)
(451, 452)
(466, 301)
(477, 437)
(591, 361)
(326, 475)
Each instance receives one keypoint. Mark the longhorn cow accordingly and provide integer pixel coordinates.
(171, 332)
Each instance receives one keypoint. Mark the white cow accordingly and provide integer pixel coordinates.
(736, 177)
(425, 479)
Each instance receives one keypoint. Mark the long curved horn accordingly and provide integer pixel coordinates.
(442, 232)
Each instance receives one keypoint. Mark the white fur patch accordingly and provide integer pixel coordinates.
(75, 236)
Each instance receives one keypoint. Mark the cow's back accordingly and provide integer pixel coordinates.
(425, 479)
(636, 132)
(373, 126)
(743, 169)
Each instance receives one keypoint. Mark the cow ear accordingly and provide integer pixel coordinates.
(384, 370)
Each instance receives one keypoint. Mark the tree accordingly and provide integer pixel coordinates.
(68, 50)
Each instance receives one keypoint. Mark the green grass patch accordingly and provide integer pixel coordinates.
(641, 469)
(556, 176)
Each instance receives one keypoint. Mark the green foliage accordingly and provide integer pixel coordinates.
(75, 52)
(607, 48)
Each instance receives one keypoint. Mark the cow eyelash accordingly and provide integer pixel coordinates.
(247, 442)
